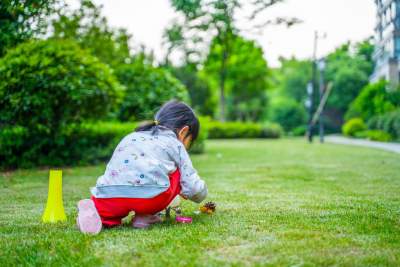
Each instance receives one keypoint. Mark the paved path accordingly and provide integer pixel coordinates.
(335, 139)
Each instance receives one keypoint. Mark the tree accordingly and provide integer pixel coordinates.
(245, 77)
(47, 85)
(90, 29)
(147, 88)
(214, 20)
(22, 20)
(349, 72)
(288, 113)
(374, 100)
(200, 92)
(293, 77)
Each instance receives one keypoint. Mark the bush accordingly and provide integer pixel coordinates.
(49, 84)
(45, 87)
(147, 88)
(198, 146)
(220, 130)
(299, 131)
(374, 135)
(389, 123)
(353, 126)
(288, 113)
(88, 143)
(374, 100)
(271, 130)
(75, 145)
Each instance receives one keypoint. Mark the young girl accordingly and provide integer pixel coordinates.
(147, 170)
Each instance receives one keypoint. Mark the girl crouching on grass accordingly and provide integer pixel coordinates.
(147, 170)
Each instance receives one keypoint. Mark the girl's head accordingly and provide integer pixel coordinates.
(178, 117)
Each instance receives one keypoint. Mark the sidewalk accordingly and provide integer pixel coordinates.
(337, 139)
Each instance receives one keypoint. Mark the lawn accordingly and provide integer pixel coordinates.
(279, 203)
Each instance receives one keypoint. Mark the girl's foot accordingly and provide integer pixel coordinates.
(144, 221)
(88, 219)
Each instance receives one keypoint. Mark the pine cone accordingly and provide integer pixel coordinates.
(209, 207)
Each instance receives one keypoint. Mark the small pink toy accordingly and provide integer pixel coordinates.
(181, 219)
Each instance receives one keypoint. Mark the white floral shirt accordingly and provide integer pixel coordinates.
(141, 163)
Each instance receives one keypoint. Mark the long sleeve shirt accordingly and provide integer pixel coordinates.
(141, 164)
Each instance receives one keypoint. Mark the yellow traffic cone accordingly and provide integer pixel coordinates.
(54, 211)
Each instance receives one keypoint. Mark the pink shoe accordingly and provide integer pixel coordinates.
(144, 221)
(88, 220)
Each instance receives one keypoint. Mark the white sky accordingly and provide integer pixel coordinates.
(341, 20)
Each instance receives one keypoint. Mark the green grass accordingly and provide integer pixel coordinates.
(279, 203)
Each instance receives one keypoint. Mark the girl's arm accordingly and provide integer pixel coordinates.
(193, 187)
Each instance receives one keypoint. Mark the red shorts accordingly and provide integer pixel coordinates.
(112, 210)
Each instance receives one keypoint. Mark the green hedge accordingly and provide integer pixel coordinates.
(229, 130)
(374, 135)
(353, 126)
(92, 143)
(389, 123)
(86, 144)
(374, 100)
(199, 145)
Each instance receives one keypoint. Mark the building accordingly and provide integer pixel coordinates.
(387, 42)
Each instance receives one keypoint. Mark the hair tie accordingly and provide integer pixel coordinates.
(156, 122)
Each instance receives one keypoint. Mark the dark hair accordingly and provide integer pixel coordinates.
(173, 115)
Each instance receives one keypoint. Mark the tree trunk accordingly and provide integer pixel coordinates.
(222, 77)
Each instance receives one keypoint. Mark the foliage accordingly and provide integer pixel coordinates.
(201, 95)
(45, 87)
(199, 145)
(245, 78)
(91, 31)
(299, 131)
(373, 100)
(353, 126)
(212, 20)
(348, 72)
(389, 123)
(147, 88)
(292, 77)
(74, 145)
(374, 135)
(218, 130)
(288, 113)
(271, 130)
(22, 20)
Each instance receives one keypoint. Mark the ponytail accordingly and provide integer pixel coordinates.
(146, 126)
(173, 115)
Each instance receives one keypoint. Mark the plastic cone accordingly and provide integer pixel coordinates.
(54, 211)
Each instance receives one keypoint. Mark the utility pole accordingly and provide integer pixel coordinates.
(312, 86)
(321, 67)
(311, 89)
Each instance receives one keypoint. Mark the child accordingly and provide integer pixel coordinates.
(147, 170)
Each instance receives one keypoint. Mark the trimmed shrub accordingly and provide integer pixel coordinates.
(353, 126)
(271, 130)
(389, 123)
(198, 146)
(45, 88)
(374, 100)
(88, 143)
(75, 145)
(229, 130)
(374, 135)
(50, 84)
(288, 113)
(299, 131)
(147, 88)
